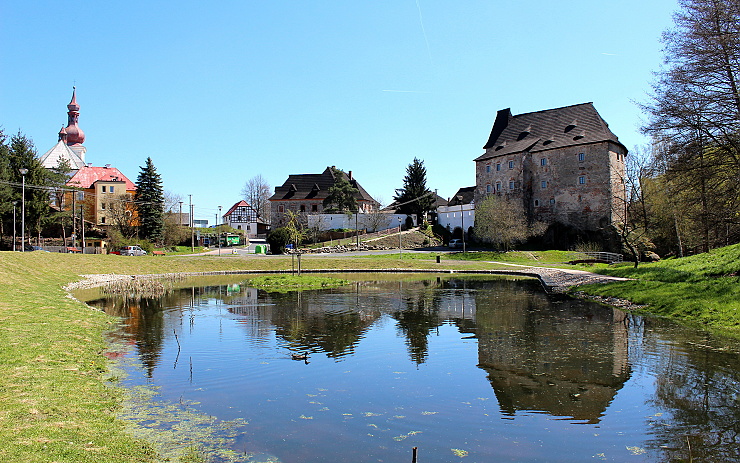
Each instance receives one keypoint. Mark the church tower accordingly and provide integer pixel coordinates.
(75, 135)
(69, 148)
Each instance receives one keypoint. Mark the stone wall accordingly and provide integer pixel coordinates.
(577, 186)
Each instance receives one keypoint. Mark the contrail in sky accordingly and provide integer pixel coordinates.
(423, 31)
(404, 91)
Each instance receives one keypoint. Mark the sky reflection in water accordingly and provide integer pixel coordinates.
(465, 369)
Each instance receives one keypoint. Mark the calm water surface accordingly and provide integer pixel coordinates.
(465, 369)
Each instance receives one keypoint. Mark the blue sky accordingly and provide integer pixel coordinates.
(216, 93)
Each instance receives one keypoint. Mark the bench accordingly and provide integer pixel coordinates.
(157, 253)
(73, 249)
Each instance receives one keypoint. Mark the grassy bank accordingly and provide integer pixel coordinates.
(54, 403)
(703, 289)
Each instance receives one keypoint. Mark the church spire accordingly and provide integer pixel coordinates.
(75, 135)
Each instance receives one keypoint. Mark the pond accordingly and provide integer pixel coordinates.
(466, 369)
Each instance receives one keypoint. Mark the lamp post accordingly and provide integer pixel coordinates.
(218, 232)
(15, 204)
(23, 172)
(180, 223)
(399, 238)
(462, 221)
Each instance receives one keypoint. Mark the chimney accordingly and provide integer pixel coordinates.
(350, 175)
(107, 166)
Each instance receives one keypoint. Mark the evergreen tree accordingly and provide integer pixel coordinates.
(149, 199)
(342, 195)
(22, 155)
(415, 197)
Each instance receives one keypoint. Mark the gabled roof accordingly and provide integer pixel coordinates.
(241, 203)
(87, 175)
(51, 158)
(548, 129)
(467, 194)
(314, 187)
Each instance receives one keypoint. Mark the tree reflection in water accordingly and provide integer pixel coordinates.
(540, 354)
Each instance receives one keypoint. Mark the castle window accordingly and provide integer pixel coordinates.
(103, 189)
(111, 189)
(544, 184)
(543, 162)
(102, 206)
(488, 188)
(581, 157)
(511, 184)
(536, 203)
(498, 167)
(488, 168)
(581, 180)
(498, 186)
(314, 208)
(102, 220)
(281, 208)
(303, 208)
(511, 164)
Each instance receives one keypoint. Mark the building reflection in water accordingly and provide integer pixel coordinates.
(564, 357)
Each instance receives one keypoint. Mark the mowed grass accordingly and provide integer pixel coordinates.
(703, 289)
(55, 405)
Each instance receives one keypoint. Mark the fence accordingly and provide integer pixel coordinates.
(609, 257)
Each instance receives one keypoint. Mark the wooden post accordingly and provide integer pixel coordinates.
(413, 455)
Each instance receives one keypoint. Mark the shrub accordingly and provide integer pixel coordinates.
(277, 240)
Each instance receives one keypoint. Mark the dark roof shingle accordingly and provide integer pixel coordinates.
(548, 129)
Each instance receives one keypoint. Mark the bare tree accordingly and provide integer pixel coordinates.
(695, 108)
(123, 219)
(256, 192)
(502, 222)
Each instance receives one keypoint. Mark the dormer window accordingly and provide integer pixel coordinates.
(525, 132)
(580, 135)
(571, 126)
(501, 146)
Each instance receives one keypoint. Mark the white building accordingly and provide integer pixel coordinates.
(459, 211)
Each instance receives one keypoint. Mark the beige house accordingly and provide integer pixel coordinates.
(564, 165)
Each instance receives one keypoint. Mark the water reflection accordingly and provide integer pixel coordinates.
(536, 355)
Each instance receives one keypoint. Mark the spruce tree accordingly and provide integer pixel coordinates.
(149, 199)
(342, 195)
(415, 197)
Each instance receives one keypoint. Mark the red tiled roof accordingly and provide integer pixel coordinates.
(241, 203)
(87, 175)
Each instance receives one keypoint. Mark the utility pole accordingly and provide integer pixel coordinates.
(82, 226)
(192, 231)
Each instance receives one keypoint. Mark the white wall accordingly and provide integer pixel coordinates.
(454, 217)
(332, 221)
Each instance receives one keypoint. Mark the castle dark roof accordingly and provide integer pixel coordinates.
(315, 187)
(548, 129)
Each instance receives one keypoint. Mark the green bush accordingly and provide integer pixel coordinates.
(277, 239)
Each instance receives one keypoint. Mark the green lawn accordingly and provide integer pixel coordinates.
(703, 289)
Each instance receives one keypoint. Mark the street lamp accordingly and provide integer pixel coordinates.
(23, 172)
(462, 221)
(399, 237)
(15, 204)
(218, 232)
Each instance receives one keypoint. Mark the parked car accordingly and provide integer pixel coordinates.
(132, 251)
(455, 243)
